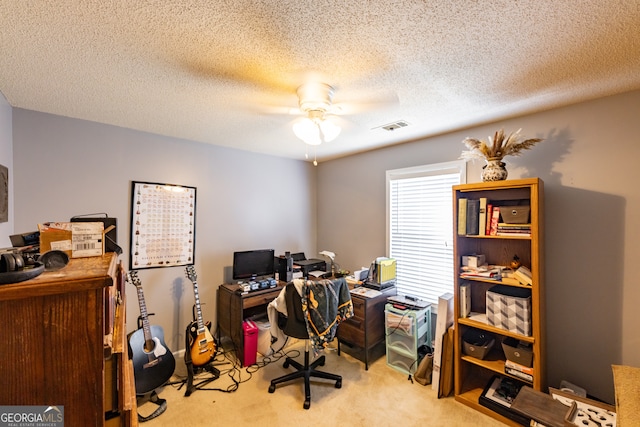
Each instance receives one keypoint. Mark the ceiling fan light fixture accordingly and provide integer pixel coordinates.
(315, 100)
(316, 129)
(330, 130)
(307, 130)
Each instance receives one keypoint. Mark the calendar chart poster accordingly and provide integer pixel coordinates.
(163, 218)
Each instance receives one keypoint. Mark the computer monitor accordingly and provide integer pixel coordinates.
(253, 264)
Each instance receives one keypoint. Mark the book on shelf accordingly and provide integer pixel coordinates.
(473, 215)
(495, 219)
(523, 275)
(518, 367)
(513, 233)
(482, 217)
(488, 272)
(487, 224)
(462, 216)
(507, 229)
(519, 374)
(507, 280)
(507, 277)
(510, 226)
(465, 300)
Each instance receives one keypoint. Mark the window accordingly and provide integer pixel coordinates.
(420, 227)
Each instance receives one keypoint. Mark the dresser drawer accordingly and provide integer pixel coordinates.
(358, 308)
(352, 331)
(262, 298)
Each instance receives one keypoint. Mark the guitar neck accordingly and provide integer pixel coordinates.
(146, 329)
(198, 309)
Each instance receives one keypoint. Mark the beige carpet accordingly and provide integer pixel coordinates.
(380, 396)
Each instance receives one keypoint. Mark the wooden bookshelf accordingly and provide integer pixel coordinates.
(471, 375)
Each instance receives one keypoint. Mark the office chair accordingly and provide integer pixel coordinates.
(295, 326)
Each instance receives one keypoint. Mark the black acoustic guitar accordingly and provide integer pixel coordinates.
(153, 362)
(202, 345)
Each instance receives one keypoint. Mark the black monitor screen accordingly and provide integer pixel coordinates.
(251, 264)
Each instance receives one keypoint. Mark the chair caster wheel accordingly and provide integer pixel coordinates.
(286, 364)
(307, 404)
(338, 384)
(272, 388)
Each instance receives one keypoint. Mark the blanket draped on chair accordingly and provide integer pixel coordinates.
(325, 303)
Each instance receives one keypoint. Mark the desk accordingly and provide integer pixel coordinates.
(366, 328)
(233, 308)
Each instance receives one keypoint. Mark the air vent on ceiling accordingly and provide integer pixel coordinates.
(395, 125)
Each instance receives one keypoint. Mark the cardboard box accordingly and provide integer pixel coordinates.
(474, 260)
(76, 239)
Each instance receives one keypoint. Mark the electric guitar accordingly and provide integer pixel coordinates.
(203, 347)
(153, 362)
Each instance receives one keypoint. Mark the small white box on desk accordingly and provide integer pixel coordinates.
(474, 260)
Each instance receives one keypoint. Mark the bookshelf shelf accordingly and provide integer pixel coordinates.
(471, 375)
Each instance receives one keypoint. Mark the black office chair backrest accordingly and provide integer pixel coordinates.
(296, 325)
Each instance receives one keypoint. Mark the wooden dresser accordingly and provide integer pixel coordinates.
(63, 343)
(366, 328)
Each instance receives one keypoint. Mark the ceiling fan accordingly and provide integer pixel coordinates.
(315, 102)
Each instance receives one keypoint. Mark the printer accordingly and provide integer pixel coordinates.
(308, 265)
(290, 263)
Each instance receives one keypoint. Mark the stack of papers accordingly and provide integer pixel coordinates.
(366, 292)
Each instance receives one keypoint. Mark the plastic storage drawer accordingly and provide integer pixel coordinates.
(406, 331)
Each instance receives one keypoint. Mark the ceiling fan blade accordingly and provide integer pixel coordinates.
(281, 110)
(360, 106)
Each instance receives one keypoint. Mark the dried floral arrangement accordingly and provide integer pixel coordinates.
(497, 147)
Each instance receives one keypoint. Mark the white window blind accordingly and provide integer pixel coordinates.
(420, 227)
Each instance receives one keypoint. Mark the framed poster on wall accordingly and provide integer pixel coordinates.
(163, 225)
(4, 194)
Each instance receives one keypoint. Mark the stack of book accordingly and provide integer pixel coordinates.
(487, 272)
(507, 229)
(523, 275)
(518, 370)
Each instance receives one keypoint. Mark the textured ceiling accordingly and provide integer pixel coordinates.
(225, 72)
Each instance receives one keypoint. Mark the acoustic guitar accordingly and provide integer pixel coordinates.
(153, 362)
(202, 345)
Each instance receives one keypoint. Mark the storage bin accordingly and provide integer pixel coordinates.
(406, 330)
(517, 351)
(250, 332)
(407, 364)
(477, 343)
(411, 322)
(515, 214)
(406, 342)
(509, 308)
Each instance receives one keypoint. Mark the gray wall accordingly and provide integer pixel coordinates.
(6, 159)
(589, 164)
(66, 167)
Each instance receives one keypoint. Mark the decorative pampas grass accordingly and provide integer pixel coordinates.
(497, 147)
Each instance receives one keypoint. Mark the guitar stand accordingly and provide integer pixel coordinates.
(191, 370)
(162, 406)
